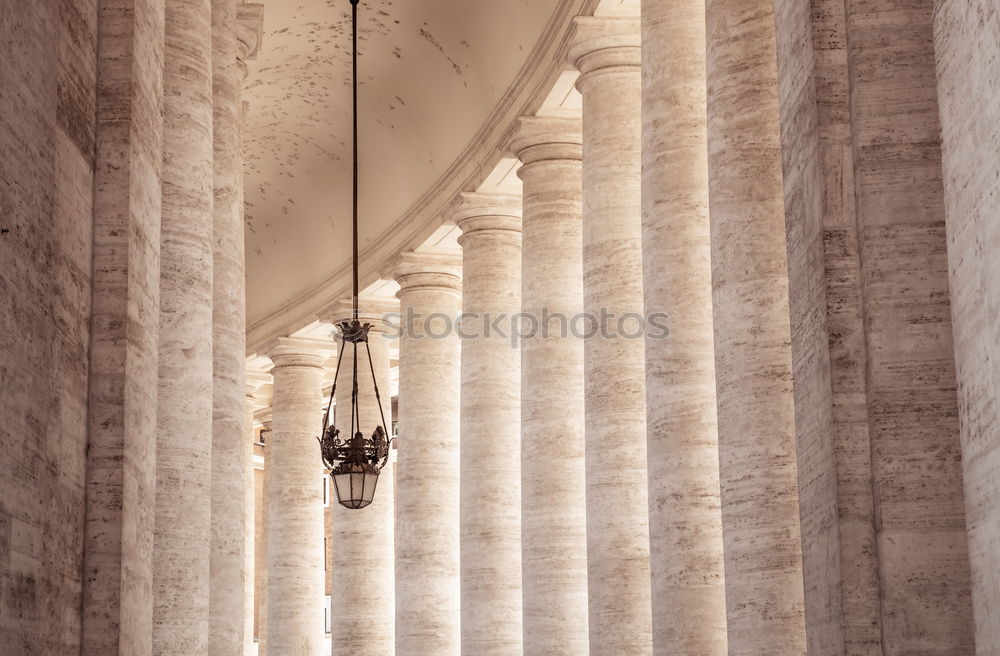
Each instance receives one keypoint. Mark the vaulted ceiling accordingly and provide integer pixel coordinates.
(432, 72)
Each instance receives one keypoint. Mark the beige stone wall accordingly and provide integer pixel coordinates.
(47, 143)
(858, 577)
(968, 64)
(881, 86)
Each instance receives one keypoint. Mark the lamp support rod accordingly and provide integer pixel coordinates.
(354, 82)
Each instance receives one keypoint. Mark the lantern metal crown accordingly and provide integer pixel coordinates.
(355, 461)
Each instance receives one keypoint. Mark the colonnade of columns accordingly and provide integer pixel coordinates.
(788, 449)
(164, 548)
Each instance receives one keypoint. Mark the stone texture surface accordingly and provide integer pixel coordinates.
(968, 73)
(553, 490)
(427, 477)
(294, 503)
(181, 541)
(607, 53)
(912, 402)
(247, 28)
(117, 606)
(229, 443)
(490, 499)
(685, 518)
(858, 558)
(756, 414)
(807, 307)
(47, 142)
(363, 587)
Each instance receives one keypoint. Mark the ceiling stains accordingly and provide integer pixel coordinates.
(431, 73)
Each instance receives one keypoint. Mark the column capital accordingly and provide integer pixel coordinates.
(603, 44)
(299, 352)
(540, 138)
(428, 270)
(474, 212)
(370, 310)
(249, 30)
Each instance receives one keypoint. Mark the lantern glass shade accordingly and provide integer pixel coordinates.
(356, 485)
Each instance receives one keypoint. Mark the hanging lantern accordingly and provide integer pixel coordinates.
(355, 461)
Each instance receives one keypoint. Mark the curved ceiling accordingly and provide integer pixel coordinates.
(431, 72)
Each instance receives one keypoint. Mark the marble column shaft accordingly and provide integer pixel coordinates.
(968, 58)
(363, 591)
(248, 33)
(685, 518)
(756, 413)
(553, 507)
(121, 459)
(229, 441)
(249, 523)
(490, 419)
(294, 503)
(607, 53)
(427, 476)
(184, 423)
(260, 548)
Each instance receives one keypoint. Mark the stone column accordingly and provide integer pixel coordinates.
(226, 571)
(756, 413)
(254, 381)
(184, 422)
(121, 455)
(260, 541)
(685, 519)
(491, 419)
(553, 508)
(248, 30)
(427, 479)
(607, 53)
(249, 528)
(363, 603)
(295, 500)
(968, 56)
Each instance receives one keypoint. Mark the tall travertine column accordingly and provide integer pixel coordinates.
(184, 423)
(295, 500)
(607, 53)
(363, 603)
(427, 474)
(255, 379)
(685, 518)
(249, 511)
(491, 416)
(968, 54)
(553, 508)
(248, 27)
(121, 457)
(227, 575)
(261, 488)
(756, 414)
